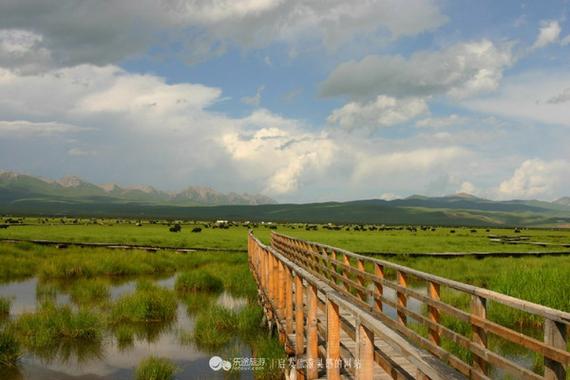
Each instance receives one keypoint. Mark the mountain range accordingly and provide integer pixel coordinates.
(70, 196)
(17, 187)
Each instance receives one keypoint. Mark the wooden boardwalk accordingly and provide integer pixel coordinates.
(343, 315)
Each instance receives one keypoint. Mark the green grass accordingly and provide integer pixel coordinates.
(146, 304)
(5, 304)
(272, 350)
(394, 241)
(85, 292)
(154, 368)
(214, 328)
(51, 323)
(9, 349)
(198, 281)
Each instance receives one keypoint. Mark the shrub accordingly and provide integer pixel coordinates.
(198, 281)
(154, 368)
(214, 328)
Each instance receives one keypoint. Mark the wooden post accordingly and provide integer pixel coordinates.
(312, 334)
(379, 272)
(299, 317)
(433, 312)
(479, 309)
(333, 341)
(288, 301)
(360, 267)
(346, 262)
(281, 288)
(275, 281)
(402, 299)
(364, 352)
(556, 336)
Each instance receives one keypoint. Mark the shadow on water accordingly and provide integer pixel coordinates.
(123, 345)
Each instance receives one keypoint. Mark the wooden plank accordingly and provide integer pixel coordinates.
(379, 289)
(288, 300)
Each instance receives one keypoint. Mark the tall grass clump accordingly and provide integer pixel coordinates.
(154, 368)
(198, 281)
(9, 349)
(272, 351)
(106, 263)
(85, 292)
(146, 304)
(5, 304)
(214, 328)
(52, 323)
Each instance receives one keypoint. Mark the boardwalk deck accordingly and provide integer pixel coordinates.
(330, 308)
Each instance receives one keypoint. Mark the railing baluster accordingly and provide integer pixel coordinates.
(555, 335)
(346, 262)
(360, 279)
(364, 352)
(379, 272)
(402, 299)
(288, 301)
(333, 341)
(479, 309)
(299, 317)
(433, 312)
(312, 333)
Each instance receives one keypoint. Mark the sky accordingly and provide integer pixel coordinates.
(301, 100)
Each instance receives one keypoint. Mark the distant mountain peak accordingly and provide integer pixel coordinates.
(564, 201)
(70, 181)
(22, 186)
(463, 195)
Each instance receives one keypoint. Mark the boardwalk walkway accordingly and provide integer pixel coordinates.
(343, 315)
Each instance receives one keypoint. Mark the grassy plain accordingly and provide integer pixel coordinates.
(385, 241)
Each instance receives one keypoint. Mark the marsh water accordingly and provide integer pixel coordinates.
(113, 359)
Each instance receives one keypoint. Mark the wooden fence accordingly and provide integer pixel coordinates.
(415, 312)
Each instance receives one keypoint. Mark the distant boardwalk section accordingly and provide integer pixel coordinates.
(344, 315)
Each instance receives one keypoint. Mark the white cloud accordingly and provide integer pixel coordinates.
(22, 50)
(411, 161)
(254, 100)
(565, 41)
(467, 187)
(530, 97)
(537, 178)
(442, 122)
(384, 111)
(548, 33)
(24, 128)
(459, 71)
(89, 32)
(79, 152)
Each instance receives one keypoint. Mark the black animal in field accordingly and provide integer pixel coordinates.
(175, 228)
(196, 229)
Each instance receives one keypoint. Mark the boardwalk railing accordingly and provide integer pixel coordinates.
(335, 306)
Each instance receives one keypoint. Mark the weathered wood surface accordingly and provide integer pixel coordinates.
(352, 307)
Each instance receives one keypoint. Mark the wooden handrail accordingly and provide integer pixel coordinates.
(349, 277)
(260, 253)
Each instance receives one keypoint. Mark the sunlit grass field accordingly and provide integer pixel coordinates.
(385, 241)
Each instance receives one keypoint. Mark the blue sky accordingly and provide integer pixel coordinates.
(302, 100)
